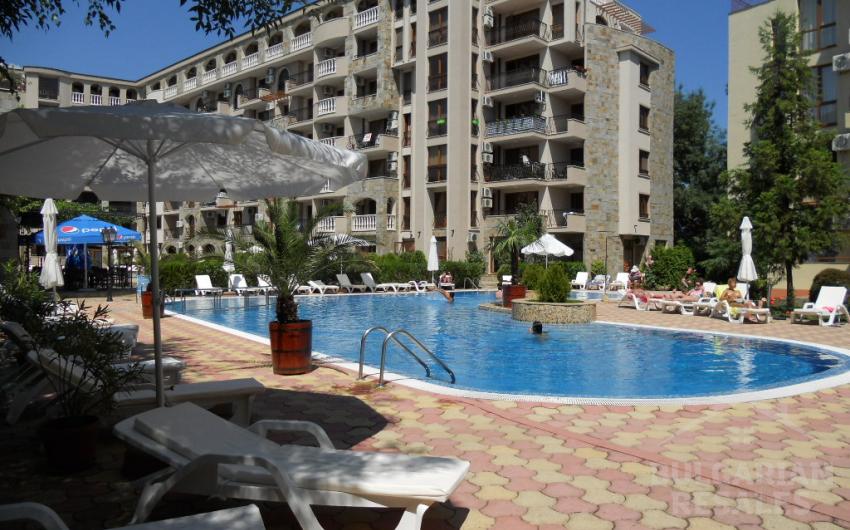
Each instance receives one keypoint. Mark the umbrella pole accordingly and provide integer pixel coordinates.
(153, 251)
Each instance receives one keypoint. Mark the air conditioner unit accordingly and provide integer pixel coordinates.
(472, 237)
(841, 63)
(392, 165)
(486, 101)
(489, 18)
(392, 157)
(487, 158)
(328, 53)
(487, 193)
(179, 224)
(841, 142)
(486, 202)
(540, 97)
(328, 91)
(487, 56)
(270, 76)
(486, 147)
(328, 128)
(393, 115)
(392, 125)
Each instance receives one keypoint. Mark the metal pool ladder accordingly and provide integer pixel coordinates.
(392, 336)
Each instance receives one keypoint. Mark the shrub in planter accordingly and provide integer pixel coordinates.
(829, 277)
(23, 299)
(554, 285)
(532, 275)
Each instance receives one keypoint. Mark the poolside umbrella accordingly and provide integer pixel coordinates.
(547, 245)
(433, 258)
(51, 272)
(148, 152)
(228, 253)
(747, 269)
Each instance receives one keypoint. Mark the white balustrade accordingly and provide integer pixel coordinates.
(326, 225)
(228, 69)
(189, 84)
(170, 92)
(208, 76)
(250, 60)
(365, 18)
(326, 106)
(78, 98)
(364, 223)
(300, 42)
(96, 99)
(391, 221)
(114, 100)
(326, 67)
(558, 77)
(331, 141)
(275, 50)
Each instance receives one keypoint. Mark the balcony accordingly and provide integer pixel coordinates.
(113, 101)
(252, 98)
(536, 77)
(300, 43)
(438, 36)
(229, 69)
(340, 142)
(366, 18)
(96, 99)
(514, 126)
(78, 98)
(300, 114)
(567, 81)
(438, 127)
(336, 106)
(169, 92)
(209, 76)
(564, 220)
(333, 29)
(327, 225)
(332, 68)
(532, 170)
(438, 173)
(372, 106)
(438, 82)
(190, 84)
(300, 81)
(440, 220)
(519, 38)
(250, 61)
(373, 144)
(274, 51)
(391, 222)
(364, 223)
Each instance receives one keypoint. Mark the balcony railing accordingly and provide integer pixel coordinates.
(406, 98)
(364, 223)
(300, 42)
(332, 140)
(96, 99)
(300, 114)
(208, 76)
(190, 83)
(391, 221)
(169, 92)
(301, 78)
(557, 219)
(406, 139)
(524, 76)
(438, 82)
(78, 97)
(557, 31)
(366, 18)
(561, 76)
(326, 67)
(518, 30)
(438, 173)
(399, 54)
(440, 220)
(437, 127)
(327, 225)
(229, 69)
(522, 124)
(366, 140)
(438, 36)
(249, 61)
(275, 50)
(326, 106)
(113, 100)
(474, 82)
(532, 170)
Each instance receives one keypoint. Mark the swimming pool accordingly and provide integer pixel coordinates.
(490, 352)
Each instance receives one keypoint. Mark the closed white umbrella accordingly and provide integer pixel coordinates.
(228, 265)
(51, 272)
(747, 268)
(148, 151)
(547, 245)
(433, 258)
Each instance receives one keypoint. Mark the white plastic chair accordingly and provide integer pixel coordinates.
(828, 307)
(580, 281)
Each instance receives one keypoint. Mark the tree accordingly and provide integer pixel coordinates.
(793, 191)
(516, 232)
(699, 159)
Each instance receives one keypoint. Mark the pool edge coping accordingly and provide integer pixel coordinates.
(795, 389)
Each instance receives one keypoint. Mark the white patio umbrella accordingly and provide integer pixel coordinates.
(148, 151)
(747, 268)
(51, 272)
(547, 245)
(433, 258)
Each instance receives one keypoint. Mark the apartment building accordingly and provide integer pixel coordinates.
(824, 25)
(465, 109)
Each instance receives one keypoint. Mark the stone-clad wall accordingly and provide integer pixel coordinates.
(602, 115)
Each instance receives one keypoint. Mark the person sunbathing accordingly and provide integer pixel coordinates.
(734, 298)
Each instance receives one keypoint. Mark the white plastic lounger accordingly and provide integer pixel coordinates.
(677, 306)
(422, 285)
(828, 308)
(239, 284)
(631, 300)
(580, 281)
(237, 392)
(322, 287)
(621, 282)
(211, 457)
(345, 283)
(243, 518)
(374, 287)
(203, 285)
(264, 285)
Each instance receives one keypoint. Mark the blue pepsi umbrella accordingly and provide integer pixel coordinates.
(86, 230)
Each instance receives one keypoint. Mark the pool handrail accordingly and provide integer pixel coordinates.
(392, 336)
(470, 280)
(385, 330)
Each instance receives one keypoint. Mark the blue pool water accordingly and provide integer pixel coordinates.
(491, 352)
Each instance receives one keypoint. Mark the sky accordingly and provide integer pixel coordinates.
(152, 34)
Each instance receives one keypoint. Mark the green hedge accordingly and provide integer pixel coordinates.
(671, 264)
(554, 284)
(401, 267)
(829, 277)
(178, 271)
(532, 275)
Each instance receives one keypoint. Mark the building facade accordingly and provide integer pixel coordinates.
(465, 109)
(824, 25)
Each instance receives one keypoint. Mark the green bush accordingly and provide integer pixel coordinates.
(571, 268)
(23, 299)
(176, 271)
(212, 267)
(400, 267)
(671, 264)
(598, 267)
(532, 275)
(554, 285)
(503, 270)
(829, 277)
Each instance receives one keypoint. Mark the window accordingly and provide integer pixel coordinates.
(437, 117)
(644, 75)
(438, 66)
(643, 121)
(826, 95)
(577, 202)
(438, 31)
(577, 156)
(405, 180)
(437, 163)
(473, 163)
(474, 79)
(475, 26)
(817, 24)
(643, 207)
(643, 163)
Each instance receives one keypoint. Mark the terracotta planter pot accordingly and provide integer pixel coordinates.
(292, 346)
(511, 293)
(147, 304)
(70, 444)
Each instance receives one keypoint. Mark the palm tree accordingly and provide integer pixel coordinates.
(293, 253)
(516, 232)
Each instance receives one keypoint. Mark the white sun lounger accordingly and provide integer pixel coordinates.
(828, 308)
(264, 285)
(237, 392)
(620, 282)
(322, 287)
(212, 457)
(580, 281)
(204, 286)
(631, 300)
(240, 285)
(243, 518)
(422, 285)
(374, 287)
(345, 283)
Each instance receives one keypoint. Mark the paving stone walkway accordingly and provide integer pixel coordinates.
(776, 464)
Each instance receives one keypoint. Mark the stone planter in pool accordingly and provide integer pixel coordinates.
(511, 293)
(549, 313)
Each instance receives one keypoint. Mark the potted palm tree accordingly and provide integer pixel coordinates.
(513, 234)
(292, 254)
